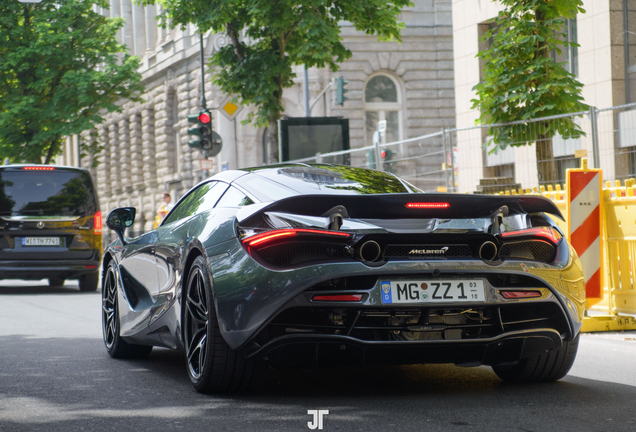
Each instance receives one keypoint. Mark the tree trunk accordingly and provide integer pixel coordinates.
(271, 140)
(51, 152)
(546, 165)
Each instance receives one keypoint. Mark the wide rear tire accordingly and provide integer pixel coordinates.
(551, 366)
(115, 345)
(213, 367)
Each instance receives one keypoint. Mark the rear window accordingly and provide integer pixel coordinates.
(46, 193)
(318, 179)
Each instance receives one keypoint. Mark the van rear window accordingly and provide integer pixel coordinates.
(46, 193)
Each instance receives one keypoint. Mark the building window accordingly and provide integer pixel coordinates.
(569, 55)
(629, 34)
(382, 101)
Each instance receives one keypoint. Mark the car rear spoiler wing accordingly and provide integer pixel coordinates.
(394, 206)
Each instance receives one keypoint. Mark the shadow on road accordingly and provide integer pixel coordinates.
(26, 288)
(72, 384)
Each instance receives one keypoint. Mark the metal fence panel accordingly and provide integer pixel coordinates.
(432, 161)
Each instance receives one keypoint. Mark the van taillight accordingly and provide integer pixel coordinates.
(97, 223)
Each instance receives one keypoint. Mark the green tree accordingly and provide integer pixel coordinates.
(521, 79)
(61, 69)
(268, 37)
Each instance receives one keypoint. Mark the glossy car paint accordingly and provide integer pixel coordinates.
(248, 295)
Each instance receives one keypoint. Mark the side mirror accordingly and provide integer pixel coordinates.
(120, 219)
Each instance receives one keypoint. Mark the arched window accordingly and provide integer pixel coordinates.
(382, 101)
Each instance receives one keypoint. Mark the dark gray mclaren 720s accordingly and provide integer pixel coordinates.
(323, 265)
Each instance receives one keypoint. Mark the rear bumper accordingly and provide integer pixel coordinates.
(41, 269)
(326, 351)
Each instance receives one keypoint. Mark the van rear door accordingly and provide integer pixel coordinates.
(47, 213)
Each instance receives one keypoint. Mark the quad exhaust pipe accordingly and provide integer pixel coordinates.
(370, 251)
(488, 251)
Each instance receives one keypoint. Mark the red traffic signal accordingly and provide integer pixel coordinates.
(204, 117)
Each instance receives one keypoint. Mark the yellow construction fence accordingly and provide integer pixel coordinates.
(619, 255)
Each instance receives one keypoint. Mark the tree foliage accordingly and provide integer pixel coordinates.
(522, 81)
(268, 37)
(61, 69)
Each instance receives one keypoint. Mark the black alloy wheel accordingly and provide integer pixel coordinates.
(115, 345)
(212, 366)
(196, 324)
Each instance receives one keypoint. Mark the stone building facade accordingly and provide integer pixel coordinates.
(605, 62)
(145, 149)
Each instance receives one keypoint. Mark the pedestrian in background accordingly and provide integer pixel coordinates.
(163, 209)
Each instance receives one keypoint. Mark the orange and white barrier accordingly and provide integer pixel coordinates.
(584, 216)
(601, 227)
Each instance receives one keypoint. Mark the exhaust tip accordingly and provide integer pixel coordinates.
(488, 251)
(370, 251)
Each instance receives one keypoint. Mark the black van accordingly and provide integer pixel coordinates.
(50, 225)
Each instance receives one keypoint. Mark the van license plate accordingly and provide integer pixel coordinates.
(40, 241)
(428, 291)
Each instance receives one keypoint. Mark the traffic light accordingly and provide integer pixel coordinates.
(388, 162)
(341, 83)
(202, 131)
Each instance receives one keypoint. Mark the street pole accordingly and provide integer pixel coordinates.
(378, 153)
(204, 104)
(595, 149)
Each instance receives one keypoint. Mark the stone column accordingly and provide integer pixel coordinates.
(148, 148)
(151, 27)
(113, 139)
(162, 33)
(87, 142)
(103, 169)
(183, 91)
(124, 154)
(163, 136)
(136, 152)
(149, 168)
(115, 11)
(139, 29)
(127, 29)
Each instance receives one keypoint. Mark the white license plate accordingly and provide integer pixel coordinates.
(40, 241)
(426, 291)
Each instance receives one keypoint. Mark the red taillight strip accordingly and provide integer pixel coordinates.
(39, 168)
(342, 297)
(97, 223)
(545, 232)
(520, 294)
(266, 237)
(427, 205)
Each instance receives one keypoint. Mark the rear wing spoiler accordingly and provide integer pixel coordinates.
(394, 206)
